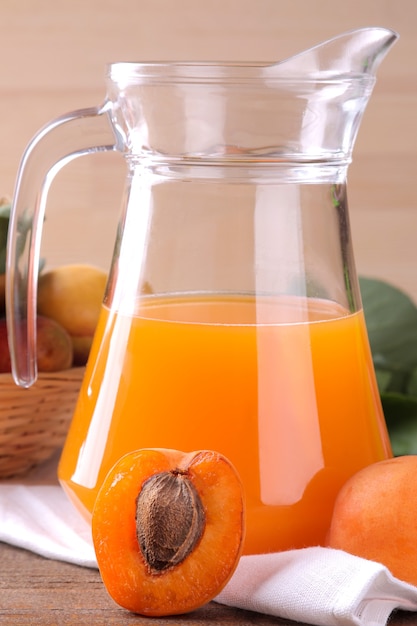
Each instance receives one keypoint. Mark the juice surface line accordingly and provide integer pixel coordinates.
(285, 389)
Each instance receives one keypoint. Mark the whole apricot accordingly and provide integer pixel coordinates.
(374, 516)
(53, 346)
(72, 295)
(168, 529)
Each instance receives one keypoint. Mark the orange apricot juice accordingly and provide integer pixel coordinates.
(284, 387)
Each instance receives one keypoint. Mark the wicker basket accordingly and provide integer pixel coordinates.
(34, 422)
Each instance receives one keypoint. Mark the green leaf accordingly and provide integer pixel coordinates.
(24, 227)
(401, 417)
(383, 379)
(5, 210)
(412, 383)
(4, 226)
(391, 320)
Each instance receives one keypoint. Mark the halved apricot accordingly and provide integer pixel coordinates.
(168, 529)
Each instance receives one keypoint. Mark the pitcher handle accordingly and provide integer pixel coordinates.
(74, 134)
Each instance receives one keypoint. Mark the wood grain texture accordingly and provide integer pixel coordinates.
(34, 590)
(56, 54)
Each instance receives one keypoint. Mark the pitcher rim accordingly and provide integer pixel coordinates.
(212, 71)
(125, 73)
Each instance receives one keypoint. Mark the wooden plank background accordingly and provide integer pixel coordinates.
(53, 60)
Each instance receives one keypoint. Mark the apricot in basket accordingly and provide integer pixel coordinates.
(54, 350)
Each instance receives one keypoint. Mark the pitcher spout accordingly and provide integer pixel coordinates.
(328, 87)
(356, 52)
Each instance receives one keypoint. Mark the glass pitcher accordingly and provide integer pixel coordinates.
(232, 318)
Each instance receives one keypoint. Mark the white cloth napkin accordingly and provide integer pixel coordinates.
(315, 585)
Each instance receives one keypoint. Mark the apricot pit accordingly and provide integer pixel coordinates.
(168, 529)
(170, 519)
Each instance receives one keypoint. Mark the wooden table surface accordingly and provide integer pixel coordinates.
(35, 590)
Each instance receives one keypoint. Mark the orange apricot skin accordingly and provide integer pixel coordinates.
(203, 573)
(374, 516)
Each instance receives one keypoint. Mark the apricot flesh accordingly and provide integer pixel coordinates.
(374, 516)
(204, 553)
